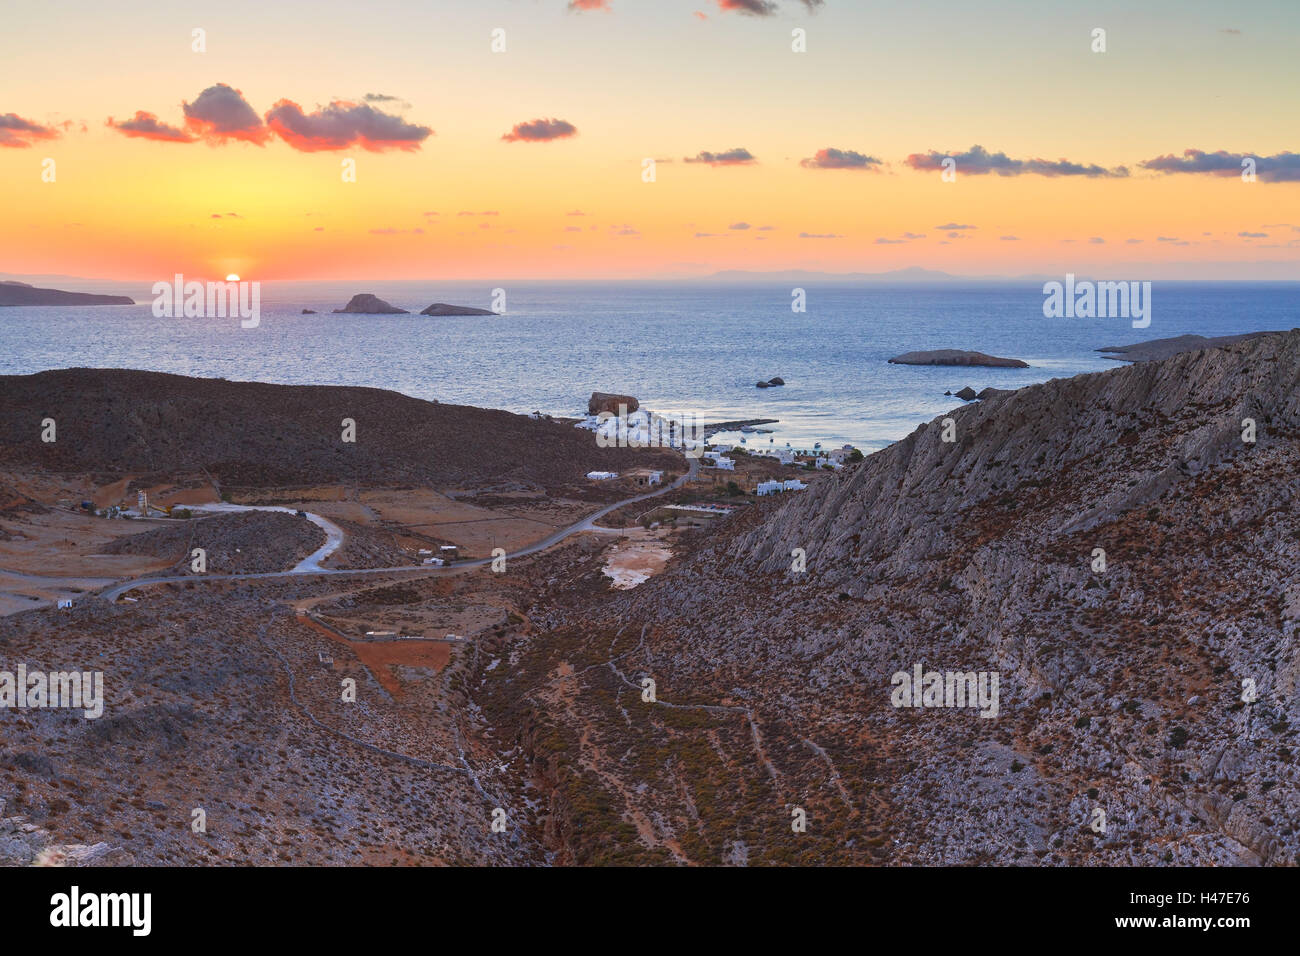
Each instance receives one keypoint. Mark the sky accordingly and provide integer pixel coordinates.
(529, 160)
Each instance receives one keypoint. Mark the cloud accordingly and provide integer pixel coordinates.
(739, 225)
(1009, 238)
(954, 225)
(385, 98)
(1097, 241)
(575, 212)
(882, 241)
(19, 133)
(831, 158)
(731, 157)
(1278, 168)
(589, 5)
(1166, 238)
(707, 235)
(220, 114)
(1253, 235)
(390, 231)
(540, 131)
(1133, 242)
(147, 126)
(977, 161)
(341, 125)
(1232, 31)
(753, 8)
(819, 235)
(228, 215)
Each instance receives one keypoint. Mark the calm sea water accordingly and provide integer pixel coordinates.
(678, 347)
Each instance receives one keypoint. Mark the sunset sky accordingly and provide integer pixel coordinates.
(527, 163)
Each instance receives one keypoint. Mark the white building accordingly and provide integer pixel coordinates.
(776, 487)
(656, 478)
(724, 464)
(602, 475)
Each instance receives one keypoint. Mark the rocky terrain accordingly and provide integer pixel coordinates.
(1119, 550)
(246, 543)
(1121, 682)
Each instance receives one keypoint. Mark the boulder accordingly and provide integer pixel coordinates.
(308, 311)
(442, 308)
(609, 402)
(366, 304)
(956, 357)
(967, 394)
(762, 384)
(776, 381)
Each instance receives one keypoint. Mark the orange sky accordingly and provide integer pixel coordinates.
(649, 80)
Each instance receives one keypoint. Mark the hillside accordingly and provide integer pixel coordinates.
(249, 434)
(1120, 689)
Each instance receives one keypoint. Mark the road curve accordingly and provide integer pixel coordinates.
(302, 568)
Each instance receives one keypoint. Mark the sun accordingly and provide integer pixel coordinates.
(232, 277)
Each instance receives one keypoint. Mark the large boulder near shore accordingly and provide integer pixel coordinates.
(967, 394)
(366, 304)
(956, 357)
(442, 308)
(609, 402)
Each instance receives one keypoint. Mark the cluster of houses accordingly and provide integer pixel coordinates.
(833, 459)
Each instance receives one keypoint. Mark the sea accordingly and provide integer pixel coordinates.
(681, 348)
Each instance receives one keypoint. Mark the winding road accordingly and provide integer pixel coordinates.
(310, 565)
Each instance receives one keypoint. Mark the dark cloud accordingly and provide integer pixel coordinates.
(1278, 168)
(1253, 235)
(753, 8)
(977, 161)
(220, 114)
(831, 158)
(147, 126)
(341, 125)
(819, 235)
(730, 157)
(540, 131)
(954, 225)
(19, 133)
(589, 5)
(739, 225)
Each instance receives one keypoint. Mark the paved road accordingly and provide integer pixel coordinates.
(586, 524)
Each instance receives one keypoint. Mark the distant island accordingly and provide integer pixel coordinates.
(20, 293)
(442, 308)
(956, 357)
(366, 304)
